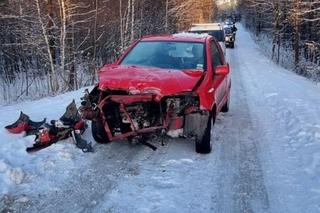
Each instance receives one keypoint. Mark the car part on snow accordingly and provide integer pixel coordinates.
(69, 125)
(146, 143)
(141, 139)
(60, 131)
(44, 138)
(80, 142)
(88, 108)
(71, 116)
(25, 124)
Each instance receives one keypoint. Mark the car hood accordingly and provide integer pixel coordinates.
(135, 79)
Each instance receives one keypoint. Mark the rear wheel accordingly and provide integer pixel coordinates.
(98, 132)
(204, 145)
(232, 45)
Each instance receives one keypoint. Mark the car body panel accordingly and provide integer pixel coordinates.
(143, 79)
(175, 37)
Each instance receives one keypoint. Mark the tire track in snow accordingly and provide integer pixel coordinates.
(240, 178)
(250, 191)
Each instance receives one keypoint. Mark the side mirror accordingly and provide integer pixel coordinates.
(222, 70)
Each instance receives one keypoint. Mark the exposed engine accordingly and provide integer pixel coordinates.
(142, 115)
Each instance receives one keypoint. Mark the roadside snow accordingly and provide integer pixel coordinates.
(21, 172)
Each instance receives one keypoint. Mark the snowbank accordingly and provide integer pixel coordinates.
(21, 172)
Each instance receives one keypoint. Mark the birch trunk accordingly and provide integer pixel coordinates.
(63, 35)
(93, 63)
(166, 21)
(53, 78)
(132, 20)
(121, 27)
(126, 31)
(296, 33)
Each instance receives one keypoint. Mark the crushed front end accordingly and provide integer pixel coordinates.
(126, 116)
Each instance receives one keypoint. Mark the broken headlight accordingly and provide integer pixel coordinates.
(178, 104)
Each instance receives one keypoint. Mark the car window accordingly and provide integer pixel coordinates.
(218, 34)
(215, 56)
(227, 30)
(167, 54)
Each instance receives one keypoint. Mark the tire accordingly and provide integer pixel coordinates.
(98, 132)
(203, 145)
(232, 45)
(225, 107)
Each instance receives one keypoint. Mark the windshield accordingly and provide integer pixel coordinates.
(167, 54)
(218, 34)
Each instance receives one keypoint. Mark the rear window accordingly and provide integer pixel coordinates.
(227, 30)
(167, 54)
(218, 34)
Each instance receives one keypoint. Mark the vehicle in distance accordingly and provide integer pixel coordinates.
(214, 29)
(162, 85)
(230, 36)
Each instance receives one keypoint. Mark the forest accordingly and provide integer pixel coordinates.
(50, 47)
(291, 29)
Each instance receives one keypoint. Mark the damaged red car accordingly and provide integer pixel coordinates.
(162, 85)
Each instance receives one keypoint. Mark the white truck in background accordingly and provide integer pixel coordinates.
(214, 29)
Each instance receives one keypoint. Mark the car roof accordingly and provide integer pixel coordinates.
(187, 37)
(206, 27)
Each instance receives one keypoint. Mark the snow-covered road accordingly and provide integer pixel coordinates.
(266, 155)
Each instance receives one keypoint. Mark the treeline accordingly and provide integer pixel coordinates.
(53, 46)
(293, 27)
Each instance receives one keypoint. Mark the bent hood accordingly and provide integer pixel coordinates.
(137, 79)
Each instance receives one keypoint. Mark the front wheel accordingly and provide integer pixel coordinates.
(204, 145)
(98, 132)
(225, 107)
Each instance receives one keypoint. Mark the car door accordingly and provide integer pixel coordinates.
(219, 81)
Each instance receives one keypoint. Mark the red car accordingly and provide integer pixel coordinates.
(162, 85)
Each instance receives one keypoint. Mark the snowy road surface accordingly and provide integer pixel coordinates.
(266, 155)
